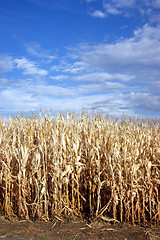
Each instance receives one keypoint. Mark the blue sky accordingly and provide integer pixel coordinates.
(74, 54)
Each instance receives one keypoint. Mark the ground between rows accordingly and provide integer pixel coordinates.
(75, 230)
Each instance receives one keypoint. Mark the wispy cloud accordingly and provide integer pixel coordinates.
(140, 54)
(13, 100)
(89, 1)
(29, 67)
(6, 63)
(125, 7)
(51, 90)
(13, 82)
(68, 67)
(103, 77)
(3, 82)
(60, 77)
(113, 7)
(98, 13)
(119, 77)
(110, 9)
(36, 50)
(124, 66)
(121, 3)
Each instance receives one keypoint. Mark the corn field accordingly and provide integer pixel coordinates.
(86, 166)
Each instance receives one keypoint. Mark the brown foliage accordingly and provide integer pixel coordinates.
(86, 166)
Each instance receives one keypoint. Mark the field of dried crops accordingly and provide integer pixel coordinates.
(86, 166)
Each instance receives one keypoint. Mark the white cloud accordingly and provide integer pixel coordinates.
(119, 77)
(99, 14)
(122, 3)
(146, 101)
(6, 64)
(139, 54)
(129, 66)
(114, 7)
(155, 18)
(59, 77)
(12, 82)
(110, 9)
(124, 7)
(100, 88)
(29, 67)
(13, 100)
(152, 3)
(108, 96)
(89, 1)
(148, 32)
(34, 97)
(51, 90)
(3, 82)
(103, 77)
(156, 3)
(68, 67)
(36, 50)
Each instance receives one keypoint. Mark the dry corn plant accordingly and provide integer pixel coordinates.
(86, 166)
